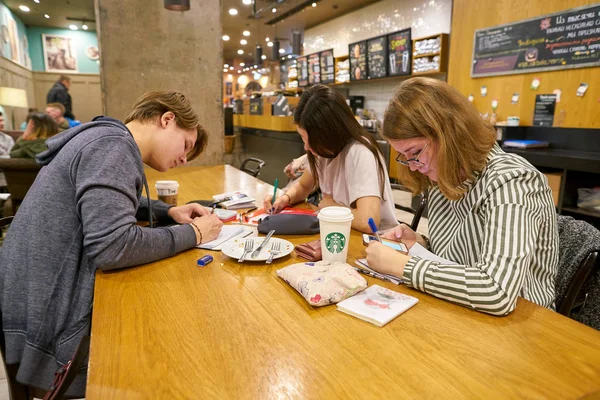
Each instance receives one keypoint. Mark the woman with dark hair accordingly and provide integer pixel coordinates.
(345, 162)
(491, 213)
(33, 141)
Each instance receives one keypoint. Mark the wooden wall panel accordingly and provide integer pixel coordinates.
(571, 111)
(16, 76)
(85, 93)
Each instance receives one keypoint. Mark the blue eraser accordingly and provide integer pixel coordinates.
(207, 259)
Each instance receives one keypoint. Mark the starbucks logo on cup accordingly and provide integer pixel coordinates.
(335, 242)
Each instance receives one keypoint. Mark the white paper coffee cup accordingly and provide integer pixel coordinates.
(168, 191)
(335, 224)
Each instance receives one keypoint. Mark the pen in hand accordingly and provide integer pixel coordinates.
(374, 229)
(213, 209)
(274, 194)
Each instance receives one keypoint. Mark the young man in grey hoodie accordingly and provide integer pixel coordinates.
(80, 215)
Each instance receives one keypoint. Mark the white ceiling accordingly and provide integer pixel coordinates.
(77, 12)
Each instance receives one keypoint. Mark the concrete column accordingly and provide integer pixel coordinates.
(147, 47)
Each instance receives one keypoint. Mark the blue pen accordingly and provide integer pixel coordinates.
(274, 192)
(374, 228)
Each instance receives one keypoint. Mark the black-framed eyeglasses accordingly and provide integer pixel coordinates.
(414, 162)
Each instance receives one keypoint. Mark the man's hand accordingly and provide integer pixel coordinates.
(186, 214)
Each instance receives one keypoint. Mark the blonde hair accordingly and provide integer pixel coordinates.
(152, 105)
(57, 106)
(430, 108)
(44, 125)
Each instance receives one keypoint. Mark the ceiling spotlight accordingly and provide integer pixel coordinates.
(267, 39)
(274, 10)
(242, 64)
(270, 44)
(263, 57)
(36, 1)
(239, 71)
(225, 37)
(256, 66)
(84, 27)
(281, 51)
(289, 56)
(231, 68)
(24, 8)
(314, 4)
(243, 42)
(73, 27)
(46, 16)
(233, 11)
(247, 2)
(225, 65)
(240, 51)
(224, 69)
(246, 33)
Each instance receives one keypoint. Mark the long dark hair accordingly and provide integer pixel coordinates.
(323, 113)
(44, 125)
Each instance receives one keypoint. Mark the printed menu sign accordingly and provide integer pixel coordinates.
(302, 71)
(327, 66)
(544, 110)
(399, 52)
(377, 57)
(358, 61)
(256, 106)
(567, 39)
(314, 69)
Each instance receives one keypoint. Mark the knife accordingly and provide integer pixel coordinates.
(263, 244)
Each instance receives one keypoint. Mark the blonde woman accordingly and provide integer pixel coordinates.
(33, 141)
(490, 212)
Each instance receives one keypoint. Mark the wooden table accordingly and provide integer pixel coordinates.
(172, 330)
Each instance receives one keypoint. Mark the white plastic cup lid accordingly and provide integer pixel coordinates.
(335, 214)
(167, 185)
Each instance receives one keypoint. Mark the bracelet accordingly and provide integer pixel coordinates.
(290, 199)
(194, 225)
(427, 243)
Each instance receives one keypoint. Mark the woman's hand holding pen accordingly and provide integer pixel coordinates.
(403, 233)
(386, 260)
(280, 203)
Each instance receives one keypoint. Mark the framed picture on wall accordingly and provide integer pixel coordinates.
(59, 53)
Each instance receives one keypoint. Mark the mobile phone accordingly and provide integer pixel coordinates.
(394, 245)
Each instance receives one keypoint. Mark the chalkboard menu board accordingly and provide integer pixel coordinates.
(327, 66)
(567, 39)
(314, 69)
(358, 61)
(399, 52)
(377, 57)
(302, 71)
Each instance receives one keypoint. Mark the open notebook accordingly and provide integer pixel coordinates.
(228, 232)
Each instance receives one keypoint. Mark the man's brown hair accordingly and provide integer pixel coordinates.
(64, 78)
(152, 105)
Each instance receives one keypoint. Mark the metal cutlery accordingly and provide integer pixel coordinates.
(275, 249)
(248, 246)
(263, 244)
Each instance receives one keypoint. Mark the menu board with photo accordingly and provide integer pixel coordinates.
(377, 57)
(314, 69)
(567, 39)
(358, 61)
(302, 71)
(399, 52)
(327, 66)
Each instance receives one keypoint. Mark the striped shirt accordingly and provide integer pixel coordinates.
(502, 234)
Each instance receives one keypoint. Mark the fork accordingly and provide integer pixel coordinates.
(275, 249)
(248, 246)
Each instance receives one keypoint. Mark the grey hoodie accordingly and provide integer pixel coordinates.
(78, 216)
